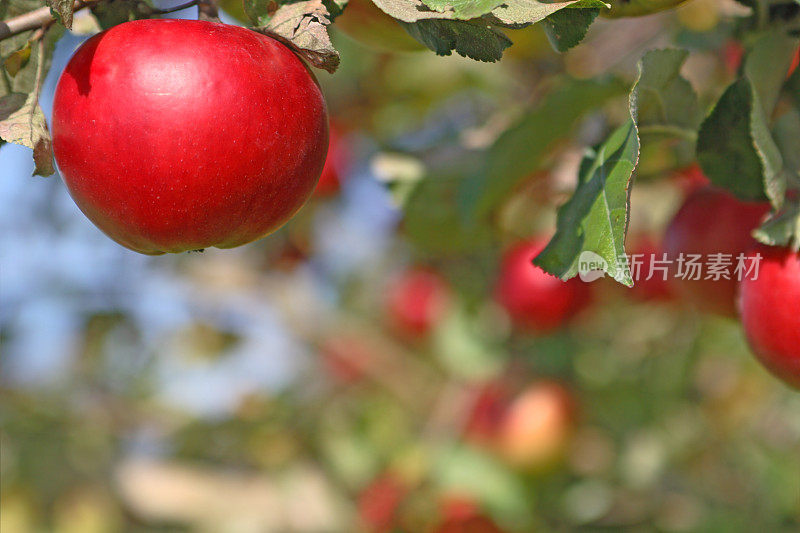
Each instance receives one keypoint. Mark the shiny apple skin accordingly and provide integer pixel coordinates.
(711, 221)
(769, 305)
(176, 135)
(535, 300)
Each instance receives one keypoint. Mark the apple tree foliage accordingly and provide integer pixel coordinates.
(747, 141)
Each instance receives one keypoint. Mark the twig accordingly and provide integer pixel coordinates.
(32, 20)
(42, 16)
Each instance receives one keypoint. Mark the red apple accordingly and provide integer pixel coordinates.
(732, 55)
(416, 301)
(176, 135)
(378, 503)
(535, 300)
(486, 413)
(711, 221)
(647, 255)
(691, 178)
(335, 167)
(471, 524)
(769, 303)
(795, 63)
(537, 427)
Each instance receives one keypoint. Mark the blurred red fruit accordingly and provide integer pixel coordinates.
(462, 515)
(769, 303)
(732, 55)
(537, 427)
(795, 63)
(691, 178)
(711, 221)
(336, 163)
(416, 301)
(644, 263)
(346, 358)
(535, 300)
(486, 413)
(378, 503)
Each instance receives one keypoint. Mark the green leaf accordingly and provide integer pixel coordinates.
(781, 228)
(62, 10)
(596, 216)
(766, 66)
(567, 28)
(735, 146)
(464, 9)
(515, 13)
(521, 149)
(786, 133)
(474, 473)
(663, 101)
(465, 348)
(476, 39)
(732, 146)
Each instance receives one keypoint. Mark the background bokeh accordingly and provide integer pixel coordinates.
(265, 388)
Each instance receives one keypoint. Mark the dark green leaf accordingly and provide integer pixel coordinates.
(595, 218)
(663, 101)
(568, 27)
(476, 39)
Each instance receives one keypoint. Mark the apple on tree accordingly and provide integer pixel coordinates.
(416, 301)
(537, 427)
(710, 221)
(769, 304)
(176, 135)
(534, 299)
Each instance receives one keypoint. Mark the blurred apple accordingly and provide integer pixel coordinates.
(367, 24)
(535, 300)
(378, 503)
(335, 169)
(462, 515)
(711, 221)
(699, 15)
(650, 283)
(416, 301)
(691, 178)
(732, 55)
(770, 307)
(486, 412)
(537, 427)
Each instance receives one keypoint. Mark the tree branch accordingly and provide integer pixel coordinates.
(32, 20)
(42, 16)
(207, 10)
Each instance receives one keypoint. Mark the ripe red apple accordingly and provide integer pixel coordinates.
(379, 501)
(416, 301)
(537, 427)
(330, 182)
(646, 255)
(176, 135)
(711, 221)
(795, 63)
(769, 303)
(535, 300)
